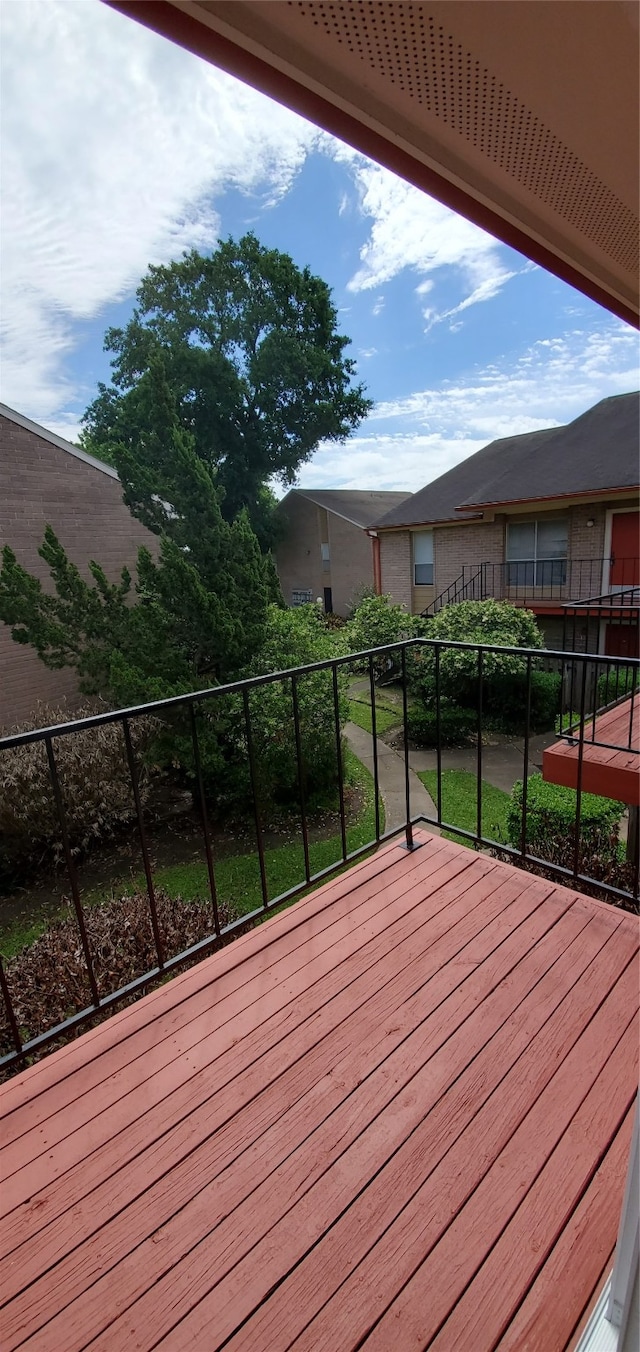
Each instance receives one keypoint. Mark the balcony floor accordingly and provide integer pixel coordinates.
(610, 770)
(396, 1116)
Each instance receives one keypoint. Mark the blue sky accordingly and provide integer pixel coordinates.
(120, 150)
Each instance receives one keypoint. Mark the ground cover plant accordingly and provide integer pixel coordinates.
(47, 973)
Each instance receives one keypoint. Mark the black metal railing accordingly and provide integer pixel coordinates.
(466, 587)
(611, 620)
(582, 681)
(533, 581)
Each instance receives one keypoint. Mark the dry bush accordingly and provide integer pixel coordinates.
(48, 980)
(94, 778)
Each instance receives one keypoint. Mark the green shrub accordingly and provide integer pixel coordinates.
(457, 725)
(377, 622)
(94, 779)
(495, 623)
(294, 638)
(615, 683)
(504, 702)
(551, 817)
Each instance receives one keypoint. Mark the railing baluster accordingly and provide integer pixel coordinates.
(407, 781)
(11, 1014)
(204, 817)
(438, 737)
(576, 847)
(633, 701)
(479, 756)
(374, 738)
(73, 878)
(303, 810)
(338, 729)
(525, 765)
(254, 795)
(148, 873)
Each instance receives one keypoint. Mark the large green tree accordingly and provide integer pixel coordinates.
(251, 352)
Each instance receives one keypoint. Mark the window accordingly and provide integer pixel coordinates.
(324, 553)
(537, 553)
(423, 558)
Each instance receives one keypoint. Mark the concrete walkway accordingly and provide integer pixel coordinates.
(502, 764)
(391, 779)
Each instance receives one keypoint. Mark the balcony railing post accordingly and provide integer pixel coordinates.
(338, 732)
(438, 735)
(374, 739)
(578, 823)
(407, 778)
(204, 819)
(148, 872)
(300, 769)
(525, 764)
(75, 891)
(255, 799)
(11, 1014)
(479, 749)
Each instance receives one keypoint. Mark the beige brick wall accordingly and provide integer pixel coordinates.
(457, 546)
(297, 556)
(299, 561)
(395, 566)
(351, 562)
(40, 484)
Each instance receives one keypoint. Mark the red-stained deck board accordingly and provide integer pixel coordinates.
(609, 772)
(348, 1125)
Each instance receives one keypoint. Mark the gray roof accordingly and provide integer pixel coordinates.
(359, 506)
(46, 435)
(597, 452)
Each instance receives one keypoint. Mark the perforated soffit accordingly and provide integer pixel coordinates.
(400, 68)
(406, 45)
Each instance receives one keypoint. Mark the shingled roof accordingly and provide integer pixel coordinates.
(597, 452)
(359, 506)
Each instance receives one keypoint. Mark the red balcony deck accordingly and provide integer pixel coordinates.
(611, 770)
(395, 1116)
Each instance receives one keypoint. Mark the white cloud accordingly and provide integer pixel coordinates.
(378, 306)
(109, 164)
(549, 383)
(407, 442)
(410, 230)
(399, 460)
(366, 352)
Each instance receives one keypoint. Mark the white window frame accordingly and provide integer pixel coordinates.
(422, 563)
(536, 521)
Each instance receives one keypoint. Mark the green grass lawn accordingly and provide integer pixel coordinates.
(238, 876)
(459, 803)
(388, 708)
(360, 713)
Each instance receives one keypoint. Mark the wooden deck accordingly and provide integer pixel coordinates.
(397, 1116)
(610, 773)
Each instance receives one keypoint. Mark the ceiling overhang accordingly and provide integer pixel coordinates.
(521, 115)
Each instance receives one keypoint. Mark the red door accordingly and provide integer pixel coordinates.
(621, 640)
(625, 538)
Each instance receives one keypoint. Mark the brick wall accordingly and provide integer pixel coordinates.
(457, 546)
(395, 561)
(298, 558)
(299, 561)
(40, 484)
(351, 562)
